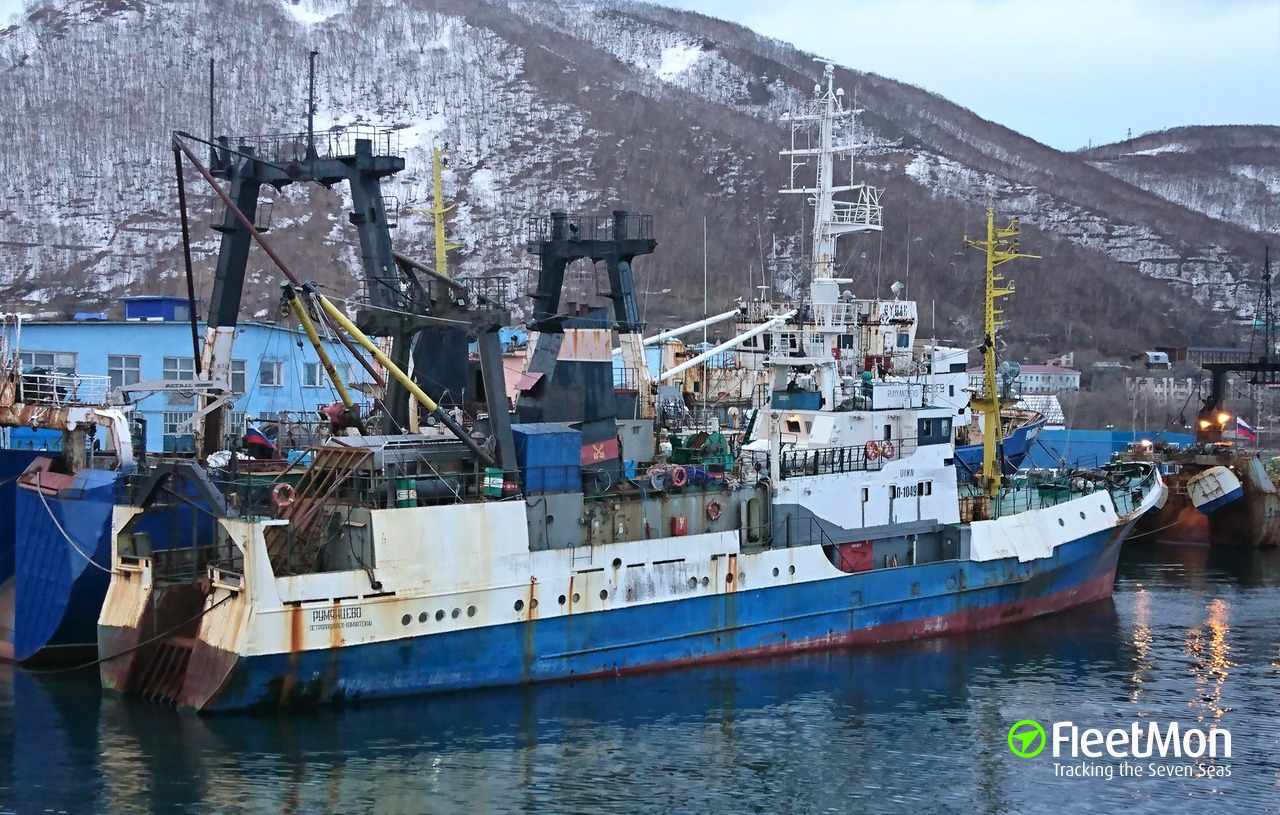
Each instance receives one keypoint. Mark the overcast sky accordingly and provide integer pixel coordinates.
(1065, 72)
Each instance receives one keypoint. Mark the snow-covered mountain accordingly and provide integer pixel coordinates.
(1226, 172)
(590, 107)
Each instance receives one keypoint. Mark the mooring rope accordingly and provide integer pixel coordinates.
(131, 648)
(70, 542)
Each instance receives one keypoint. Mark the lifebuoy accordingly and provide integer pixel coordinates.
(887, 450)
(713, 511)
(282, 496)
(872, 450)
(679, 477)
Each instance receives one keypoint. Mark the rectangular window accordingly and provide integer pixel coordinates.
(124, 370)
(951, 390)
(312, 374)
(237, 376)
(174, 421)
(866, 494)
(178, 436)
(181, 369)
(893, 491)
(53, 362)
(271, 375)
(233, 425)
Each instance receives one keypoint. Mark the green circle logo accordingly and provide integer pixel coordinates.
(1027, 738)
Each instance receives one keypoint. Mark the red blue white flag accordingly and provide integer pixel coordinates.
(1244, 431)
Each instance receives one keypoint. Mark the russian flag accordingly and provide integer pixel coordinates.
(252, 435)
(1244, 431)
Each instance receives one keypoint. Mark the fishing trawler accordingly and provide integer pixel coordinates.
(511, 553)
(55, 514)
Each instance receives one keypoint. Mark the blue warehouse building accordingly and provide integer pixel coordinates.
(275, 372)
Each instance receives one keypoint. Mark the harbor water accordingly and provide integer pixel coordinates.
(1191, 637)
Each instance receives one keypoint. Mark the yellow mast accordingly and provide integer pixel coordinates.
(1000, 246)
(439, 210)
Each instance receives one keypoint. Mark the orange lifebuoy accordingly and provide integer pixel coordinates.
(282, 496)
(679, 477)
(887, 450)
(872, 450)
(713, 510)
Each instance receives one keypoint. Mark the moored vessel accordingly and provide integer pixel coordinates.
(57, 531)
(410, 564)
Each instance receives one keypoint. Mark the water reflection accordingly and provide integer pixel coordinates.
(1208, 649)
(1142, 641)
(762, 724)
(908, 728)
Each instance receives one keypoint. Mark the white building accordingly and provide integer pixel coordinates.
(1037, 380)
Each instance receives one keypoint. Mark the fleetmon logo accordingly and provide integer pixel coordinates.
(1027, 738)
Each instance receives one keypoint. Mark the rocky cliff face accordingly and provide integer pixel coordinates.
(589, 107)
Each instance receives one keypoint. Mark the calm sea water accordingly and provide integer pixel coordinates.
(1192, 636)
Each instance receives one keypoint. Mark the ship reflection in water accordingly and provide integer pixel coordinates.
(1190, 637)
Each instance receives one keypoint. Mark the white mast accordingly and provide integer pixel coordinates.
(831, 218)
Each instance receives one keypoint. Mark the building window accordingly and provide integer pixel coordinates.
(233, 426)
(237, 376)
(271, 375)
(54, 362)
(124, 370)
(174, 421)
(181, 369)
(178, 436)
(312, 374)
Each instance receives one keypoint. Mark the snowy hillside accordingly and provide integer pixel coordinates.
(579, 106)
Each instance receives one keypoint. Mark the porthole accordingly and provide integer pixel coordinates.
(617, 563)
(454, 614)
(706, 581)
(519, 605)
(741, 577)
(1061, 522)
(775, 571)
(405, 619)
(533, 604)
(423, 617)
(1082, 516)
(562, 599)
(604, 594)
(728, 579)
(439, 615)
(577, 597)
(471, 611)
(791, 570)
(693, 583)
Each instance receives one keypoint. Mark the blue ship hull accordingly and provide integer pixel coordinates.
(56, 593)
(884, 605)
(1016, 447)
